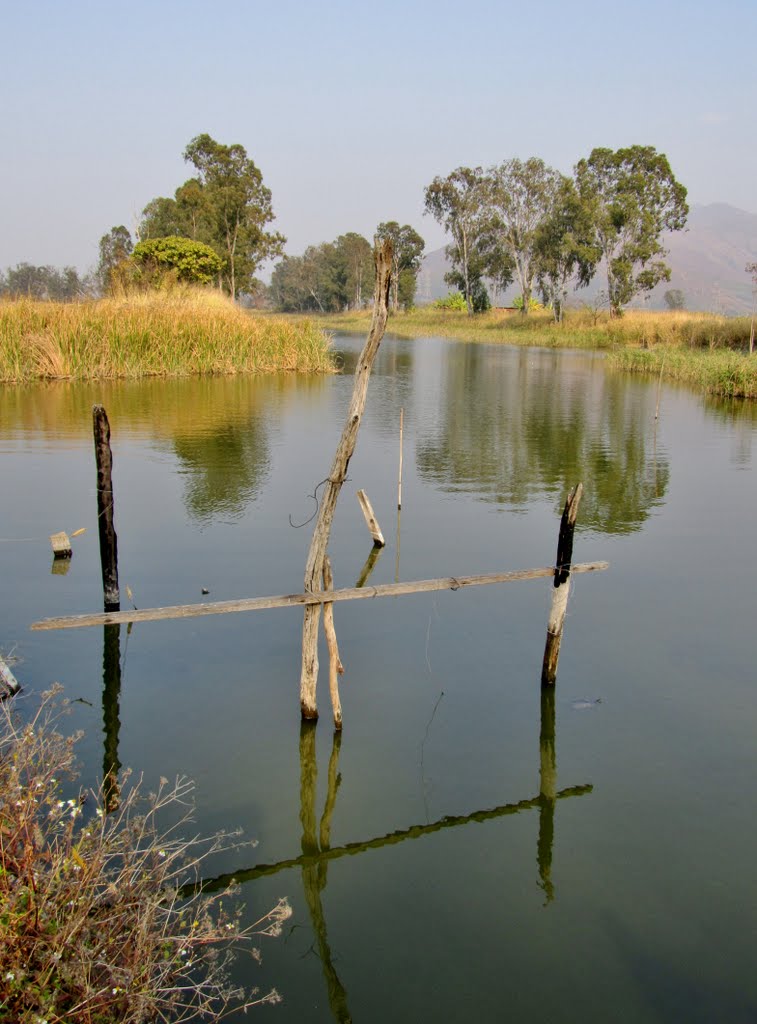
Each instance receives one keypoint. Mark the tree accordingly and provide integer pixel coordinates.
(634, 198)
(46, 282)
(235, 208)
(226, 206)
(563, 247)
(115, 249)
(190, 261)
(674, 298)
(353, 268)
(459, 203)
(407, 257)
(523, 196)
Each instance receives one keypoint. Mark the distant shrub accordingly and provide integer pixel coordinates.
(453, 300)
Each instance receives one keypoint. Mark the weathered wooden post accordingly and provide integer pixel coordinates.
(561, 586)
(370, 519)
(108, 541)
(336, 668)
(342, 456)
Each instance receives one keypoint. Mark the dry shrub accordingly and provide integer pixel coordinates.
(93, 926)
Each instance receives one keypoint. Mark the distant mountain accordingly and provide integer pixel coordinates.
(707, 263)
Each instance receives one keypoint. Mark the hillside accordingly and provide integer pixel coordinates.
(707, 263)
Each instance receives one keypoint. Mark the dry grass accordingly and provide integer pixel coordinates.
(185, 331)
(93, 929)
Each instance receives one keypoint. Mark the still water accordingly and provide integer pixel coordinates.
(491, 854)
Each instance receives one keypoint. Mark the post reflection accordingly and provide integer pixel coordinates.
(317, 851)
(111, 721)
(315, 867)
(547, 792)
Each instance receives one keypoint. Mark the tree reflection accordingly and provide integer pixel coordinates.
(225, 468)
(528, 424)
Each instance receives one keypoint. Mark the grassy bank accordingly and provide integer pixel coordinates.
(155, 334)
(707, 351)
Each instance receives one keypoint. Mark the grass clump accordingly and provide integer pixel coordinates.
(92, 926)
(175, 333)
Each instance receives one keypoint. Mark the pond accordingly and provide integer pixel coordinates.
(468, 849)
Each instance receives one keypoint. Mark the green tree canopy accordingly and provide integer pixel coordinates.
(634, 198)
(226, 206)
(327, 278)
(522, 196)
(190, 261)
(564, 247)
(460, 204)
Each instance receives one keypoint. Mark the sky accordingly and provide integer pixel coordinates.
(349, 109)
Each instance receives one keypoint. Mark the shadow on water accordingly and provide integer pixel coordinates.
(317, 852)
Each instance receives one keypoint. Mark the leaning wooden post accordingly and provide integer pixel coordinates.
(108, 541)
(561, 587)
(337, 476)
(336, 668)
(370, 519)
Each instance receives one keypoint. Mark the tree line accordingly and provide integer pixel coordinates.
(525, 221)
(338, 275)
(519, 221)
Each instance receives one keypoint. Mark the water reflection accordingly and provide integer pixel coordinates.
(511, 426)
(226, 468)
(317, 851)
(111, 719)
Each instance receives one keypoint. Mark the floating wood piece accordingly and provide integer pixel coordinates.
(314, 566)
(309, 598)
(399, 482)
(108, 540)
(370, 519)
(8, 682)
(61, 545)
(562, 586)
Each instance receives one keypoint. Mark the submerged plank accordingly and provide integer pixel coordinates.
(253, 604)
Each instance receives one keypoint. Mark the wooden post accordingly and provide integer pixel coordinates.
(336, 668)
(342, 456)
(561, 587)
(108, 540)
(399, 484)
(370, 519)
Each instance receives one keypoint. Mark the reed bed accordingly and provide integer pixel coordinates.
(709, 352)
(155, 334)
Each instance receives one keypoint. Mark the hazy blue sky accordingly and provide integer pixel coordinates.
(351, 109)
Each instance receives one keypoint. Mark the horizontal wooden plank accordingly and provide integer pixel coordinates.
(254, 604)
